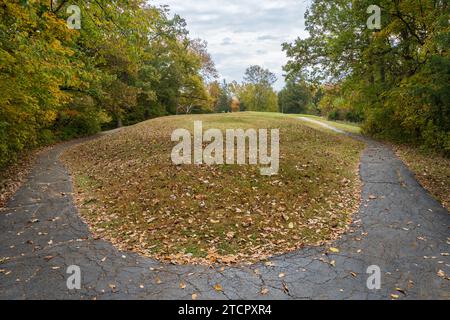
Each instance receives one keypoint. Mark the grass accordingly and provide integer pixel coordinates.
(431, 170)
(131, 194)
(349, 127)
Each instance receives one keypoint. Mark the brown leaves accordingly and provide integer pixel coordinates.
(12, 177)
(213, 214)
(285, 287)
(442, 275)
(113, 287)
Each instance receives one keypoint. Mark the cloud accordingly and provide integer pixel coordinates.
(241, 33)
(227, 42)
(267, 37)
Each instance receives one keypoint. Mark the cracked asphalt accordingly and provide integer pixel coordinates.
(399, 228)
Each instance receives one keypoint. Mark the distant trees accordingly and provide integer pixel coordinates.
(295, 97)
(396, 79)
(256, 92)
(129, 62)
(224, 98)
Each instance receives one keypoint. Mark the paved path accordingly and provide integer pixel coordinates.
(403, 231)
(322, 124)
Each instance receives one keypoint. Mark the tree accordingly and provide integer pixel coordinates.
(256, 93)
(129, 62)
(259, 76)
(388, 77)
(224, 99)
(294, 97)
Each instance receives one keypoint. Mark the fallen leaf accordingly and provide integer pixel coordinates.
(395, 296)
(334, 250)
(264, 291)
(194, 296)
(285, 287)
(218, 287)
(401, 290)
(182, 285)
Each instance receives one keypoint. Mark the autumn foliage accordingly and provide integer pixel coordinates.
(129, 62)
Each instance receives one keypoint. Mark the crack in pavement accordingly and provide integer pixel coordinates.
(386, 232)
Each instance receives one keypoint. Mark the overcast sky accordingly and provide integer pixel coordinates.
(241, 33)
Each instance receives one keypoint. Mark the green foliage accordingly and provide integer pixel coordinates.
(129, 62)
(256, 92)
(396, 78)
(295, 97)
(223, 99)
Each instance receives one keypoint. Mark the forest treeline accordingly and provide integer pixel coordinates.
(131, 61)
(128, 62)
(396, 79)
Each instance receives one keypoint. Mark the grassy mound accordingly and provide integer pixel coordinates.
(131, 194)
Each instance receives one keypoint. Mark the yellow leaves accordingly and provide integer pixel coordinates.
(395, 296)
(218, 287)
(334, 250)
(49, 116)
(182, 285)
(264, 291)
(400, 290)
(194, 296)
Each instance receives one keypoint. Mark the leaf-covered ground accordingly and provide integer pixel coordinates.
(131, 194)
(431, 170)
(14, 175)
